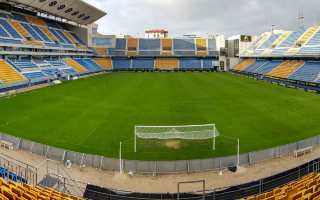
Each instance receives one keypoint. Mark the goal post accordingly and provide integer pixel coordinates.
(184, 132)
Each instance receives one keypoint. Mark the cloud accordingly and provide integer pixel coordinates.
(229, 17)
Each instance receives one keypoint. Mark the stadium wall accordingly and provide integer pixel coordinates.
(157, 167)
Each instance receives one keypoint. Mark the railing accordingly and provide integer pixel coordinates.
(229, 193)
(21, 169)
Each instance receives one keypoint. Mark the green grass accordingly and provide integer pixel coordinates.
(93, 115)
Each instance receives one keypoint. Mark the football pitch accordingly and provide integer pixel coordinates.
(95, 114)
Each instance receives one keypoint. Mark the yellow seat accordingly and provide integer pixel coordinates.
(244, 64)
(75, 65)
(166, 63)
(105, 63)
(285, 69)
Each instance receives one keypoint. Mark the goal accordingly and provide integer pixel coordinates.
(185, 132)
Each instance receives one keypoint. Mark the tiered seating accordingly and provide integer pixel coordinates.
(308, 72)
(149, 47)
(315, 40)
(166, 63)
(292, 38)
(89, 64)
(184, 47)
(10, 29)
(244, 64)
(75, 65)
(307, 188)
(143, 63)
(190, 63)
(212, 47)
(41, 33)
(62, 67)
(280, 39)
(35, 20)
(105, 63)
(166, 47)
(310, 51)
(35, 76)
(49, 34)
(201, 47)
(266, 68)
(121, 63)
(268, 43)
(132, 46)
(21, 28)
(101, 51)
(16, 191)
(8, 74)
(252, 68)
(71, 37)
(261, 41)
(286, 69)
(120, 49)
(307, 35)
(23, 64)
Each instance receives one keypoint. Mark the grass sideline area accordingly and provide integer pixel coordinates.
(93, 115)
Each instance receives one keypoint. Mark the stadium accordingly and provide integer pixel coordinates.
(84, 115)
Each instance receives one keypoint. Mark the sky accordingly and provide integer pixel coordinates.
(228, 17)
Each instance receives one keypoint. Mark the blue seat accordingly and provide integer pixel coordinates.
(40, 33)
(3, 33)
(268, 67)
(89, 64)
(31, 31)
(309, 72)
(64, 37)
(121, 63)
(255, 66)
(184, 44)
(143, 63)
(10, 41)
(37, 76)
(292, 38)
(61, 40)
(10, 29)
(190, 63)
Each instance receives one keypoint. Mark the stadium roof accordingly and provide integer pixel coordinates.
(74, 10)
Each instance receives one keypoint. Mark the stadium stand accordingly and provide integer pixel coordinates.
(285, 69)
(89, 64)
(143, 63)
(282, 186)
(201, 47)
(166, 47)
(149, 47)
(184, 47)
(13, 191)
(190, 63)
(244, 64)
(120, 48)
(132, 46)
(75, 65)
(121, 63)
(280, 39)
(8, 74)
(309, 72)
(105, 63)
(166, 64)
(307, 187)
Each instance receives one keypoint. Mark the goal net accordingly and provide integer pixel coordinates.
(188, 132)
